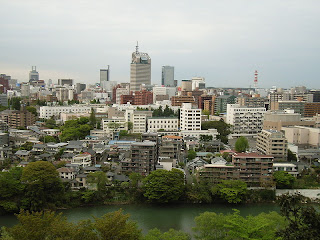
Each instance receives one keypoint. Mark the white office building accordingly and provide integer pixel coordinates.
(190, 118)
(245, 121)
(49, 111)
(164, 123)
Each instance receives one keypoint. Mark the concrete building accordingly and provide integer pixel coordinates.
(25, 89)
(143, 97)
(198, 83)
(65, 81)
(80, 87)
(245, 121)
(275, 120)
(82, 159)
(287, 167)
(311, 109)
(186, 85)
(114, 124)
(274, 143)
(179, 100)
(49, 111)
(143, 158)
(255, 169)
(304, 137)
(16, 119)
(33, 74)
(139, 120)
(167, 77)
(221, 102)
(122, 90)
(140, 70)
(190, 118)
(297, 106)
(162, 91)
(104, 77)
(165, 123)
(252, 101)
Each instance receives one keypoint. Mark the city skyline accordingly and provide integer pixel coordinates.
(225, 43)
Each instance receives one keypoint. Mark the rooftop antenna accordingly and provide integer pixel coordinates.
(137, 48)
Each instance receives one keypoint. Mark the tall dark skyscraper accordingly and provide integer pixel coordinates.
(140, 70)
(167, 78)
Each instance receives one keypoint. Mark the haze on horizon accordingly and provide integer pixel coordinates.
(223, 41)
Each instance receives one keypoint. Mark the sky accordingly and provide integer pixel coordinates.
(224, 41)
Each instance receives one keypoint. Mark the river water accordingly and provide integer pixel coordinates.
(179, 217)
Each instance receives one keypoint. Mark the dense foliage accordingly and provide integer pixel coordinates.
(166, 112)
(283, 179)
(75, 129)
(162, 186)
(231, 191)
(222, 128)
(241, 144)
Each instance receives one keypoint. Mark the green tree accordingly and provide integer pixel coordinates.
(162, 186)
(50, 123)
(241, 144)
(304, 221)
(291, 156)
(33, 110)
(210, 226)
(41, 225)
(191, 155)
(283, 179)
(117, 226)
(205, 138)
(156, 234)
(92, 118)
(130, 125)
(47, 139)
(232, 191)
(11, 190)
(15, 103)
(222, 128)
(205, 112)
(27, 146)
(43, 185)
(100, 179)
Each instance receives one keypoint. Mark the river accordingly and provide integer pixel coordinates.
(179, 217)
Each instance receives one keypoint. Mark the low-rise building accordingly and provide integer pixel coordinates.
(163, 123)
(82, 159)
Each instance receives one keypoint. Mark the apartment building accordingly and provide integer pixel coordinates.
(190, 118)
(114, 124)
(255, 169)
(15, 118)
(297, 106)
(244, 120)
(179, 100)
(274, 143)
(82, 159)
(252, 168)
(139, 119)
(143, 158)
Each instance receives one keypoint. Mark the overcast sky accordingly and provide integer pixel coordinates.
(224, 41)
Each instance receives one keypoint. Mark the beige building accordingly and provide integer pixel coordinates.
(140, 70)
(275, 120)
(274, 143)
(303, 136)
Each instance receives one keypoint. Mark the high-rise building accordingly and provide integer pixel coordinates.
(33, 74)
(104, 77)
(167, 78)
(190, 118)
(140, 70)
